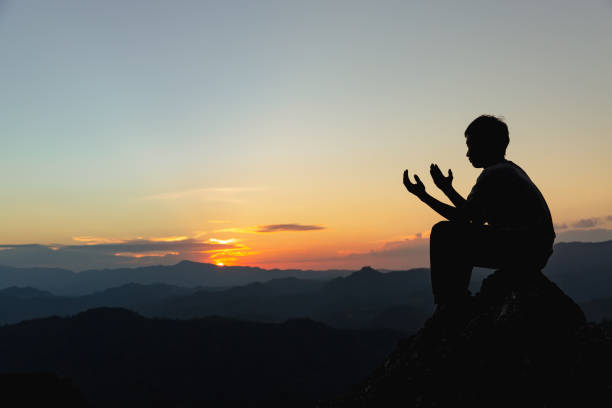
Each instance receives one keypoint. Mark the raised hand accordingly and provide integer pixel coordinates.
(418, 189)
(444, 183)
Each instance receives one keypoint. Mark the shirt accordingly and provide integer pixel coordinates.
(505, 197)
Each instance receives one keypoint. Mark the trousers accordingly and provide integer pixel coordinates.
(456, 247)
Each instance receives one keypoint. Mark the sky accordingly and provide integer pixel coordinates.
(275, 133)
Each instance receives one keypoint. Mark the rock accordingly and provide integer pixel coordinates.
(520, 341)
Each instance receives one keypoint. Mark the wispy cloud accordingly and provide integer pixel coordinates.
(89, 240)
(288, 227)
(222, 241)
(587, 222)
(238, 230)
(156, 254)
(590, 229)
(266, 229)
(584, 223)
(169, 239)
(148, 245)
(405, 252)
(211, 193)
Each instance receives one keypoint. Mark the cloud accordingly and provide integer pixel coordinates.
(288, 227)
(89, 240)
(263, 229)
(238, 230)
(399, 253)
(406, 253)
(159, 254)
(587, 222)
(96, 252)
(558, 227)
(150, 245)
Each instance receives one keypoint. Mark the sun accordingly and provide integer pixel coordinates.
(220, 264)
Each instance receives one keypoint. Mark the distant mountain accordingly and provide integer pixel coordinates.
(22, 303)
(185, 274)
(119, 358)
(582, 269)
(365, 299)
(356, 301)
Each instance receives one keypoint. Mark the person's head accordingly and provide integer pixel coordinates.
(487, 139)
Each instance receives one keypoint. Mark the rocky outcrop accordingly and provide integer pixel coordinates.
(519, 342)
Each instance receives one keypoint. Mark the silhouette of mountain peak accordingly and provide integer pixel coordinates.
(24, 292)
(366, 271)
(520, 337)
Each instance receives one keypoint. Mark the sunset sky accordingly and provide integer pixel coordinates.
(275, 133)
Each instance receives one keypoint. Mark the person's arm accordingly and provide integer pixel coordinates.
(418, 189)
(446, 185)
(447, 211)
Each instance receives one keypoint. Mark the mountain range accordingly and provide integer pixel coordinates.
(364, 299)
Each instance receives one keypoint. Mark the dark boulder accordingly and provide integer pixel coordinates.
(519, 342)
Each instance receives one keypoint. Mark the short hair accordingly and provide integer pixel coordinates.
(490, 131)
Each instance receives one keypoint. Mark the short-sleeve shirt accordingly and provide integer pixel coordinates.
(506, 198)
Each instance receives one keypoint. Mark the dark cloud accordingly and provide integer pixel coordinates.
(10, 246)
(560, 227)
(585, 235)
(587, 222)
(609, 218)
(132, 253)
(143, 245)
(288, 227)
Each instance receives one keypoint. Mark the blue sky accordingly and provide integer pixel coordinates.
(141, 119)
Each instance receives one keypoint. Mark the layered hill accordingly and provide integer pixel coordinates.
(116, 357)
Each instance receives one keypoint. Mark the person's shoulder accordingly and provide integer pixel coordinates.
(500, 169)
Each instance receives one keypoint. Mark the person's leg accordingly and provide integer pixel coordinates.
(509, 249)
(450, 264)
(455, 248)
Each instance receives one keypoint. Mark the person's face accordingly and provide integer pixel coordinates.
(476, 153)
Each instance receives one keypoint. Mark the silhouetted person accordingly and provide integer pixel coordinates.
(504, 222)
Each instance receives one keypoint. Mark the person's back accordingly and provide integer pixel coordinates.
(511, 201)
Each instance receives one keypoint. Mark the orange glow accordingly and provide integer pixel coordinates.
(227, 256)
(169, 239)
(222, 241)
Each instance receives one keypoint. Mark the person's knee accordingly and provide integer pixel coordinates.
(441, 228)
